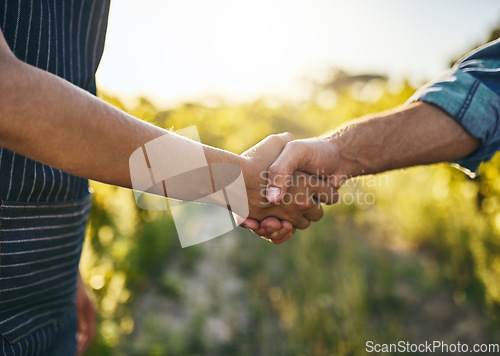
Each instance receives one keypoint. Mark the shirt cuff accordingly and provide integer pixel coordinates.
(473, 105)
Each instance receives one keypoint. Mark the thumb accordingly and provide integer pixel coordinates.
(279, 176)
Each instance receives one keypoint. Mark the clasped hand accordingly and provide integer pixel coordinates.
(297, 197)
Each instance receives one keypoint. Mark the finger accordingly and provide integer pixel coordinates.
(315, 189)
(287, 225)
(271, 143)
(268, 226)
(285, 228)
(92, 324)
(284, 233)
(323, 190)
(88, 332)
(274, 229)
(281, 139)
(302, 223)
(250, 224)
(271, 224)
(314, 213)
(285, 238)
(80, 337)
(279, 174)
(83, 335)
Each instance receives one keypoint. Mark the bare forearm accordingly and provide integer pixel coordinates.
(52, 121)
(412, 135)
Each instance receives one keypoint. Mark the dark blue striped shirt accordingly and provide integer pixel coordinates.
(65, 38)
(44, 211)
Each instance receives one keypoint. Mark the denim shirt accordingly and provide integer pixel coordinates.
(470, 93)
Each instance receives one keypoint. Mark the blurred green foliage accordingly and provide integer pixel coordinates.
(409, 255)
(415, 259)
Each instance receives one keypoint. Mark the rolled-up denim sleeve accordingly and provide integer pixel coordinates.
(468, 93)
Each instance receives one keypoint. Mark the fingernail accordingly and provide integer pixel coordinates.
(273, 193)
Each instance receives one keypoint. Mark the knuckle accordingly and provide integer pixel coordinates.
(306, 205)
(304, 225)
(274, 168)
(318, 215)
(288, 136)
(295, 217)
(273, 139)
(294, 145)
(284, 136)
(327, 196)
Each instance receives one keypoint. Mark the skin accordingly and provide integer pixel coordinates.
(414, 134)
(86, 314)
(85, 136)
(50, 120)
(411, 135)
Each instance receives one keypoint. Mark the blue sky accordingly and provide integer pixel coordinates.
(174, 51)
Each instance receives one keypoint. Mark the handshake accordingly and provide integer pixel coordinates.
(274, 188)
(301, 174)
(286, 182)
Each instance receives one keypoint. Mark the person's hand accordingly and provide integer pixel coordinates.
(316, 156)
(272, 229)
(298, 208)
(86, 313)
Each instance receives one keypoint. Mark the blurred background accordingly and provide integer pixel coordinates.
(408, 255)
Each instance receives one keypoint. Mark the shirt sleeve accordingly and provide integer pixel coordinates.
(470, 93)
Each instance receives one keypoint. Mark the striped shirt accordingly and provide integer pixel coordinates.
(40, 248)
(65, 38)
(44, 211)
